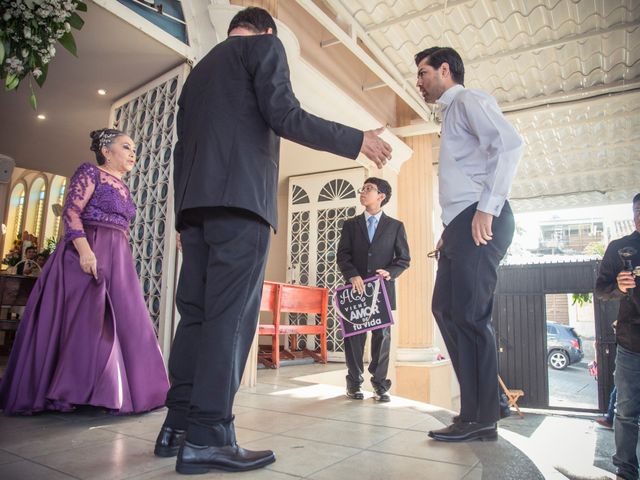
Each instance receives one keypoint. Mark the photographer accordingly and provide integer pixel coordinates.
(615, 281)
(28, 265)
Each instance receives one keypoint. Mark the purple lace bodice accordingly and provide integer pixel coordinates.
(96, 197)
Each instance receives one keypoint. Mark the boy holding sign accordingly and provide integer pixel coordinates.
(372, 244)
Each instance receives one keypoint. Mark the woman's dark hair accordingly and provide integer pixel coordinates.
(255, 19)
(382, 186)
(103, 138)
(636, 199)
(436, 56)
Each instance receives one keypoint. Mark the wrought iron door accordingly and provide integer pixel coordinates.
(318, 205)
(148, 116)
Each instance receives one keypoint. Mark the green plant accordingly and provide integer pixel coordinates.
(29, 30)
(594, 248)
(581, 298)
(51, 244)
(15, 254)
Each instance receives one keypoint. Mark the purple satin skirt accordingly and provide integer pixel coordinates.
(84, 341)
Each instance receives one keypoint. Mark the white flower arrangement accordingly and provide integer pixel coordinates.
(29, 30)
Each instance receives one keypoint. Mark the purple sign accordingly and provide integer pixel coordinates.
(361, 313)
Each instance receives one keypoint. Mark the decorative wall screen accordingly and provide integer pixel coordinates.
(318, 205)
(149, 115)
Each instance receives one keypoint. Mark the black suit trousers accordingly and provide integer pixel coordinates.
(224, 256)
(379, 366)
(462, 305)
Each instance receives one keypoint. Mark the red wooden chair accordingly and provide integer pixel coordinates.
(281, 298)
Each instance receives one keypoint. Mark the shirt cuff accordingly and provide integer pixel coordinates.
(491, 204)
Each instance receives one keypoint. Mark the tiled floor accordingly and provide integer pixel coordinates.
(316, 432)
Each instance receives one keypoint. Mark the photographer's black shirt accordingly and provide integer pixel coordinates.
(628, 326)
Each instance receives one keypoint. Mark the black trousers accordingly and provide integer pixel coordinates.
(462, 305)
(379, 366)
(224, 253)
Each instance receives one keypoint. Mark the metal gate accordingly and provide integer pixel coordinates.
(519, 321)
(148, 116)
(318, 205)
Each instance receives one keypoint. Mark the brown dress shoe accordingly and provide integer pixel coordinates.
(603, 422)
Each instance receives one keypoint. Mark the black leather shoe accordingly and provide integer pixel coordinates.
(195, 459)
(168, 442)
(465, 431)
(504, 413)
(355, 395)
(382, 397)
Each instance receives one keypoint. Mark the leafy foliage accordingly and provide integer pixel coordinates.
(51, 244)
(29, 31)
(581, 298)
(594, 248)
(15, 254)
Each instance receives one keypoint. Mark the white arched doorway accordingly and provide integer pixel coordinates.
(15, 216)
(53, 227)
(35, 215)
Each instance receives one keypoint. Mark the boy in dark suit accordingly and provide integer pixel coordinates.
(372, 243)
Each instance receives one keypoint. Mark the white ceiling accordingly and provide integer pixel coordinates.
(580, 154)
(568, 71)
(112, 55)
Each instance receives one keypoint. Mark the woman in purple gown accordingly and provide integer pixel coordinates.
(86, 337)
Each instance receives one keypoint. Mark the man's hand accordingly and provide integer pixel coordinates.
(481, 228)
(376, 149)
(358, 284)
(436, 253)
(28, 267)
(386, 275)
(178, 242)
(625, 281)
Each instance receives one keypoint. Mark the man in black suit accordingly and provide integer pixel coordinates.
(372, 243)
(234, 107)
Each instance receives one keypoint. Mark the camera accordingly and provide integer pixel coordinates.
(626, 254)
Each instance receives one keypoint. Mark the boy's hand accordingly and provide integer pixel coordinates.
(357, 284)
(386, 275)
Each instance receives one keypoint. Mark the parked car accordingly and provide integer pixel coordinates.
(564, 346)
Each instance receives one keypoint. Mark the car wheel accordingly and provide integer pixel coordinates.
(558, 360)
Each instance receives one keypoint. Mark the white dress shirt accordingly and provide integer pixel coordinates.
(479, 153)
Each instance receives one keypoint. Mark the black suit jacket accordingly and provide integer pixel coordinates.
(234, 107)
(389, 250)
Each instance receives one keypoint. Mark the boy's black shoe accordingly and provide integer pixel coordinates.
(355, 394)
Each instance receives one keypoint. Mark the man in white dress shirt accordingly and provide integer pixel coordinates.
(479, 153)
